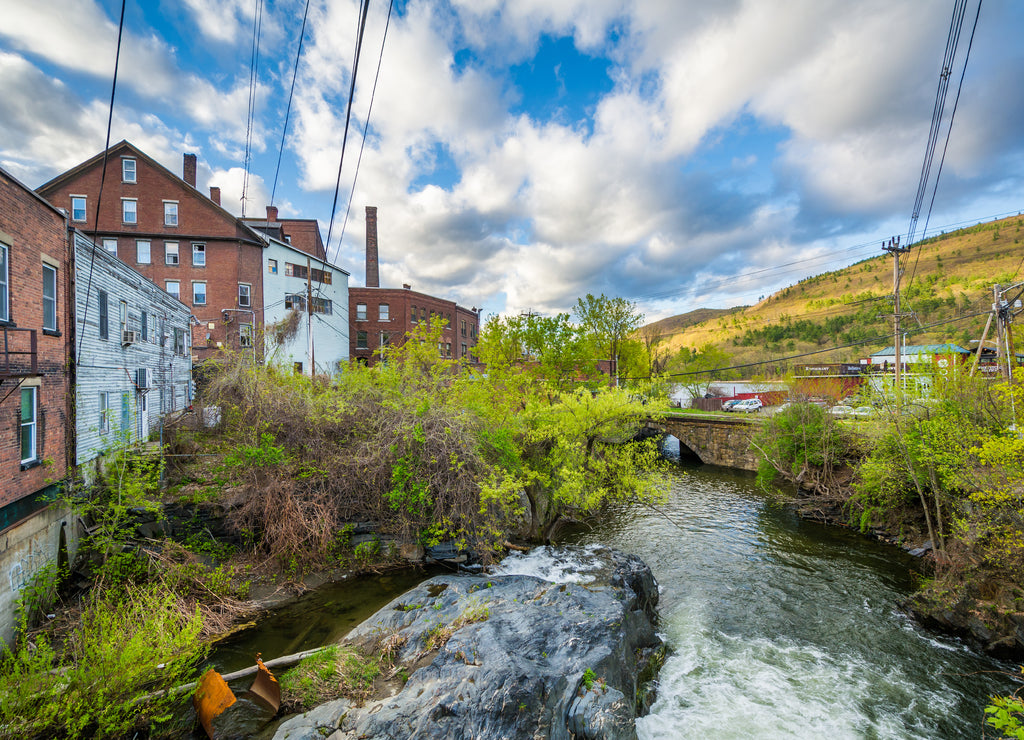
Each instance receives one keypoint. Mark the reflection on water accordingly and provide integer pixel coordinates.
(783, 628)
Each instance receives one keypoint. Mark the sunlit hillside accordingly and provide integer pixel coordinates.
(947, 278)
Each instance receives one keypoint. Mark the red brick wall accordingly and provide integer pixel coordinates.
(32, 229)
(230, 256)
(400, 303)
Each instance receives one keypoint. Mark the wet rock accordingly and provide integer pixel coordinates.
(510, 656)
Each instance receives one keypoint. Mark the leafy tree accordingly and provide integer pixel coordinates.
(697, 370)
(610, 321)
(549, 348)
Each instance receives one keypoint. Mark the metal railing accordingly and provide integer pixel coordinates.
(13, 347)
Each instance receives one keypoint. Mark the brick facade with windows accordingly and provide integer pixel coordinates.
(35, 397)
(180, 237)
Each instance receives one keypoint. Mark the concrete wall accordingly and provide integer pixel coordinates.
(25, 549)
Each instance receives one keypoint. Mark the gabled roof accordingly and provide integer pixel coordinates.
(924, 349)
(125, 145)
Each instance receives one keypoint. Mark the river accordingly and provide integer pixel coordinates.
(782, 628)
(778, 627)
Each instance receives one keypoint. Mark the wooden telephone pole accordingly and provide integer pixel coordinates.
(894, 248)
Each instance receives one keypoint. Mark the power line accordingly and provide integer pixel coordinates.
(103, 177)
(288, 109)
(366, 126)
(364, 6)
(254, 62)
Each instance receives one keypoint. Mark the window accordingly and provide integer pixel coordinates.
(323, 305)
(124, 315)
(198, 293)
(126, 413)
(104, 329)
(447, 349)
(383, 312)
(463, 327)
(144, 326)
(472, 330)
(294, 302)
(104, 412)
(179, 341)
(127, 169)
(78, 208)
(173, 287)
(142, 252)
(298, 271)
(360, 312)
(111, 246)
(170, 253)
(244, 295)
(28, 424)
(198, 255)
(272, 266)
(297, 367)
(170, 213)
(412, 314)
(5, 303)
(423, 314)
(361, 340)
(463, 350)
(49, 298)
(129, 212)
(245, 335)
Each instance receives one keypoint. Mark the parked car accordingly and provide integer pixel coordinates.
(748, 406)
(841, 411)
(728, 405)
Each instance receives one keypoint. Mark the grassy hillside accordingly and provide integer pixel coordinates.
(953, 275)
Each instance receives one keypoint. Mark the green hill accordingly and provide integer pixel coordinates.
(950, 292)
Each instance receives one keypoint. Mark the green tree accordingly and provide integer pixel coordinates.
(610, 321)
(696, 370)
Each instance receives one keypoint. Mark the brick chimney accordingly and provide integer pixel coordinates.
(372, 270)
(188, 169)
(215, 194)
(272, 214)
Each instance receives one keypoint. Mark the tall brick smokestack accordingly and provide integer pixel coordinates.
(372, 271)
(188, 169)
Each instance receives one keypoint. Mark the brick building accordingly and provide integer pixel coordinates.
(160, 225)
(382, 316)
(35, 398)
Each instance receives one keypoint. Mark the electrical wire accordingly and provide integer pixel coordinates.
(254, 62)
(103, 177)
(288, 108)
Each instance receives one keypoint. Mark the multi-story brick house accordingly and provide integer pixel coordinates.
(35, 398)
(160, 225)
(381, 317)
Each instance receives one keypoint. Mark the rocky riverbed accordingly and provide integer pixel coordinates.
(510, 656)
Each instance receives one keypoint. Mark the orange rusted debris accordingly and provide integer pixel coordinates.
(214, 696)
(266, 686)
(211, 698)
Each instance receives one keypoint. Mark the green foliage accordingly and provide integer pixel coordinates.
(337, 670)
(129, 646)
(804, 445)
(1006, 714)
(589, 678)
(697, 369)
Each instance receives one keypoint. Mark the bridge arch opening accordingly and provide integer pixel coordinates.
(674, 448)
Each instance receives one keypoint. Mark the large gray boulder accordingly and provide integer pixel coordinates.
(526, 658)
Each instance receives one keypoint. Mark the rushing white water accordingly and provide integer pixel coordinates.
(543, 562)
(780, 628)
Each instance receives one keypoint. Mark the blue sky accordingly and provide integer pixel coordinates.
(522, 153)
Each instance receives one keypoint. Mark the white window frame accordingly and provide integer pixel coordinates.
(171, 251)
(143, 248)
(360, 312)
(32, 424)
(247, 303)
(129, 174)
(85, 208)
(177, 285)
(199, 250)
(123, 316)
(110, 245)
(196, 294)
(50, 300)
(104, 412)
(5, 282)
(384, 312)
(170, 213)
(130, 211)
(245, 335)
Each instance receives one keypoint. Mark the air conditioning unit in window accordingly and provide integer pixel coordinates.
(129, 337)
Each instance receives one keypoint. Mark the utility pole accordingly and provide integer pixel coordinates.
(894, 248)
(309, 317)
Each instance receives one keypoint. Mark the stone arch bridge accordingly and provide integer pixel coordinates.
(715, 440)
